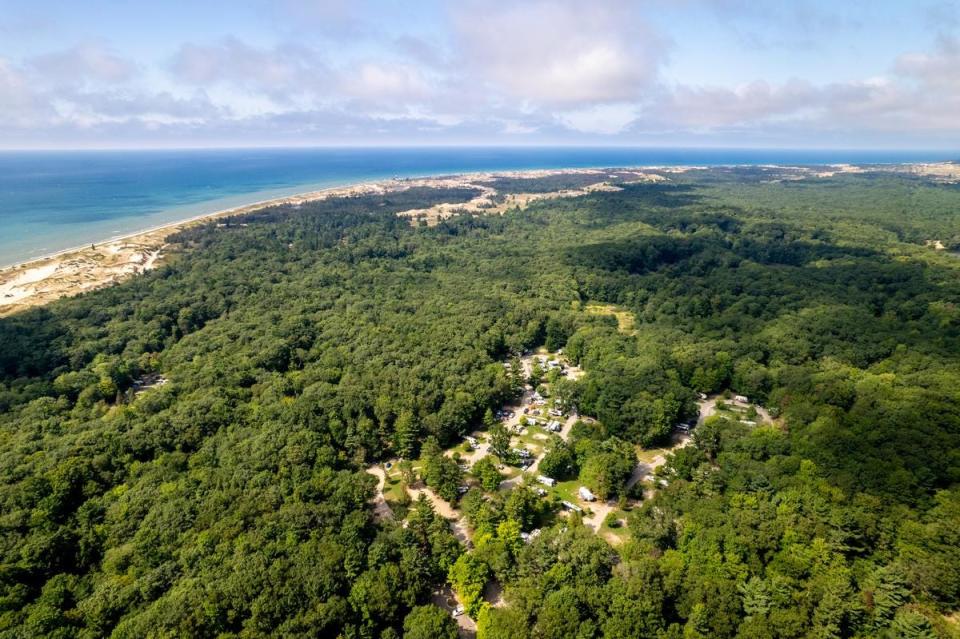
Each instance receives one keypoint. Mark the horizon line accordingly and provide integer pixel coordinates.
(472, 145)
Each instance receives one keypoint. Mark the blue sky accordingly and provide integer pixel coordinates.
(791, 73)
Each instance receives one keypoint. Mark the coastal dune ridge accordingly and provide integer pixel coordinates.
(89, 267)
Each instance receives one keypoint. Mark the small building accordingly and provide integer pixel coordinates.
(547, 481)
(741, 398)
(470, 440)
(572, 507)
(585, 494)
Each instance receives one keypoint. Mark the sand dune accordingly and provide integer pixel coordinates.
(87, 268)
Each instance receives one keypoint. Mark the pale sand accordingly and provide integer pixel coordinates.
(87, 268)
(944, 171)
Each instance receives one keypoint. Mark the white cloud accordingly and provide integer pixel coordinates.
(561, 53)
(531, 70)
(19, 104)
(374, 81)
(84, 62)
(281, 72)
(606, 119)
(939, 69)
(703, 108)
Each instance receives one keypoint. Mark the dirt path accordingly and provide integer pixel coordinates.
(533, 468)
(708, 407)
(458, 524)
(466, 627)
(645, 469)
(479, 451)
(381, 510)
(600, 510)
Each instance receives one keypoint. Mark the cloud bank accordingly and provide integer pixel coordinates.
(536, 71)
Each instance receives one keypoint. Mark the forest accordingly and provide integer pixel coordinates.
(298, 346)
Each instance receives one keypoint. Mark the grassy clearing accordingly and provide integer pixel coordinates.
(621, 531)
(567, 490)
(626, 321)
(393, 489)
(530, 441)
(463, 448)
(647, 455)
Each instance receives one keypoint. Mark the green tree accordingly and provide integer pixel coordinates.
(489, 421)
(485, 470)
(468, 576)
(707, 436)
(607, 467)
(910, 624)
(558, 462)
(499, 441)
(429, 622)
(406, 434)
(443, 475)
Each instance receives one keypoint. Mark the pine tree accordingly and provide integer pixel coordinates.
(406, 434)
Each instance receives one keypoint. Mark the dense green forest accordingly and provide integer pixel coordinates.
(308, 343)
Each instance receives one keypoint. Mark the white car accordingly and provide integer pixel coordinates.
(457, 611)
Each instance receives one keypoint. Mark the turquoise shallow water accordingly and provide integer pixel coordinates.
(51, 201)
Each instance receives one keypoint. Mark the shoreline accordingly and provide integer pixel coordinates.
(346, 188)
(234, 210)
(90, 266)
(93, 265)
(310, 195)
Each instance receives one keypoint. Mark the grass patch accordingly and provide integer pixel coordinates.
(529, 440)
(463, 448)
(567, 490)
(647, 455)
(393, 489)
(626, 322)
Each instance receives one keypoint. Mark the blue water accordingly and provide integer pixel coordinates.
(51, 201)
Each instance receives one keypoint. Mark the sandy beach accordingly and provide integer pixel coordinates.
(86, 268)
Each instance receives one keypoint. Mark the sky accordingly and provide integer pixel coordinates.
(694, 73)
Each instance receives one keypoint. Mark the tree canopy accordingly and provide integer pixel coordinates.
(301, 345)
